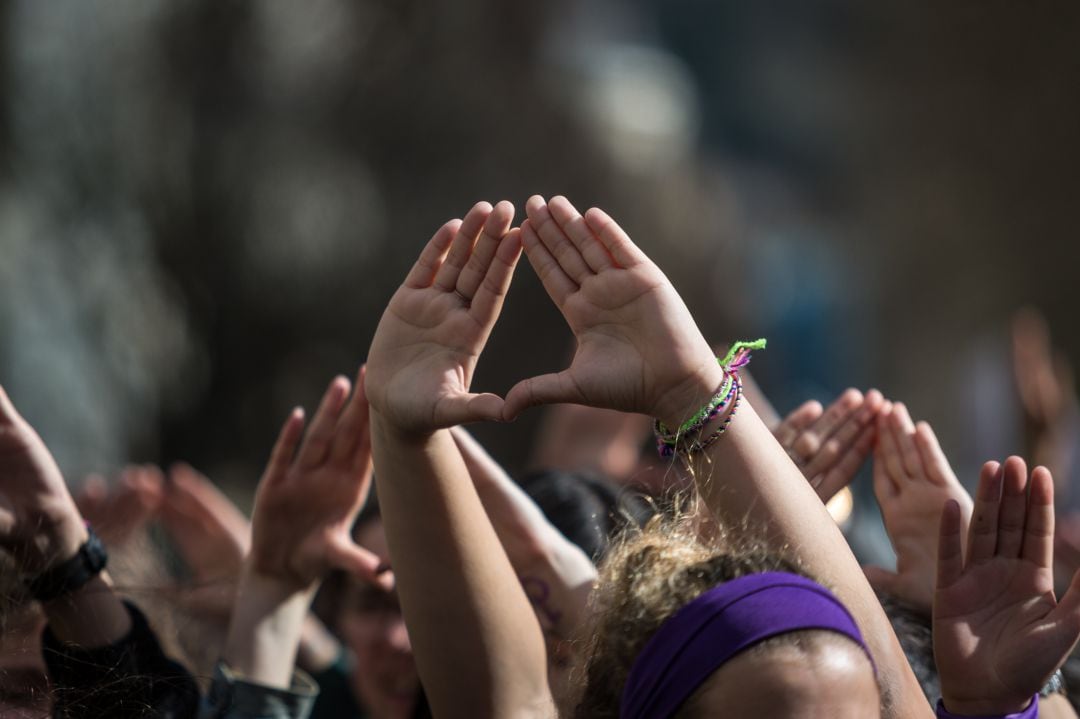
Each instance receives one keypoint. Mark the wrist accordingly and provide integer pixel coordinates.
(680, 403)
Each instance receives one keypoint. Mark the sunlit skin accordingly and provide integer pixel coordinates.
(831, 678)
(385, 679)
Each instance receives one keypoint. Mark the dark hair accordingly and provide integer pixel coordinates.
(586, 508)
(913, 630)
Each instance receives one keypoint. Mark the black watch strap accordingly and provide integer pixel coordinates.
(73, 573)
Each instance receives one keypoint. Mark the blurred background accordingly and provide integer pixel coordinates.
(205, 205)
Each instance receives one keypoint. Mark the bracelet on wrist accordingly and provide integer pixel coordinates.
(686, 437)
(1031, 712)
(71, 574)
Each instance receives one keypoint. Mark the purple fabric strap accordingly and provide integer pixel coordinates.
(1032, 712)
(732, 616)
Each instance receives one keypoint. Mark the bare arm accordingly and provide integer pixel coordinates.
(478, 646)
(639, 350)
(556, 574)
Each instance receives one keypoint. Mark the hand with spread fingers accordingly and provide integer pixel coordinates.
(309, 497)
(119, 513)
(429, 338)
(912, 482)
(638, 347)
(829, 446)
(39, 522)
(999, 631)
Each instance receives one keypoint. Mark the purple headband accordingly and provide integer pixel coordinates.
(732, 616)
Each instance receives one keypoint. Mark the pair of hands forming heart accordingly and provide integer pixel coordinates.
(638, 348)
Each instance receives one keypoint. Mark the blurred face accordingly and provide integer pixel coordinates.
(829, 679)
(370, 623)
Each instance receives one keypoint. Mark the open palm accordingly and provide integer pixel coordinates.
(638, 348)
(309, 497)
(912, 482)
(999, 632)
(428, 341)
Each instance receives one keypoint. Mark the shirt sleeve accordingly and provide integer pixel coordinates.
(232, 697)
(130, 678)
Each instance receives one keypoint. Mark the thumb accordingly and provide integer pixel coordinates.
(881, 579)
(543, 389)
(356, 560)
(466, 407)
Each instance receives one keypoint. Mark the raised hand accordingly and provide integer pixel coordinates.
(638, 348)
(39, 522)
(118, 514)
(912, 482)
(829, 446)
(210, 533)
(308, 499)
(429, 338)
(1047, 390)
(999, 632)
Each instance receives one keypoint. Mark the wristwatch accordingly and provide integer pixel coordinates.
(1056, 685)
(73, 573)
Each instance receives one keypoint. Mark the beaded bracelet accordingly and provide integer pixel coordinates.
(701, 446)
(737, 357)
(666, 444)
(716, 403)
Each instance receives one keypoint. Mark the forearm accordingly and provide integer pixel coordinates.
(482, 652)
(90, 617)
(746, 478)
(1056, 706)
(265, 630)
(556, 574)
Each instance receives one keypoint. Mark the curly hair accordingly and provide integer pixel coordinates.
(647, 576)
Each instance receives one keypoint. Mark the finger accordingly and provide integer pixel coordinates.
(933, 458)
(321, 432)
(843, 472)
(8, 413)
(882, 580)
(488, 301)
(811, 441)
(463, 408)
(903, 430)
(574, 227)
(543, 389)
(431, 257)
(495, 228)
(884, 484)
(950, 564)
(352, 425)
(1066, 615)
(462, 247)
(1039, 525)
(840, 443)
(559, 286)
(982, 533)
(92, 496)
(799, 419)
(555, 240)
(356, 560)
(281, 456)
(889, 451)
(618, 243)
(1013, 509)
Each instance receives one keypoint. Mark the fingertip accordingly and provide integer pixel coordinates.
(534, 203)
(1042, 486)
(483, 206)
(851, 398)
(874, 399)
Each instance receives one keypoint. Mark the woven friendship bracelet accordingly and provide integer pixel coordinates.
(666, 444)
(729, 393)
